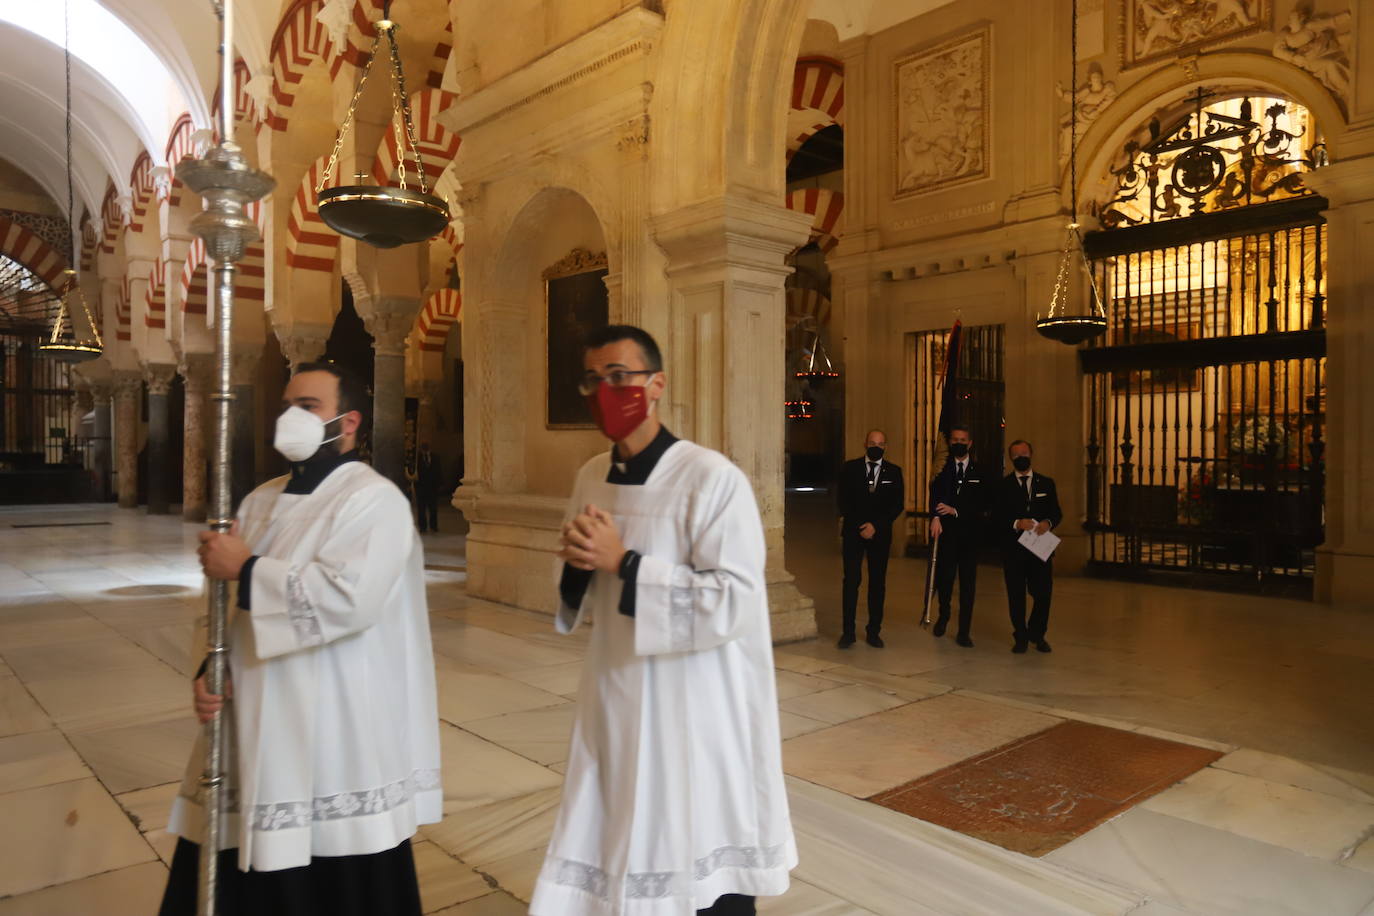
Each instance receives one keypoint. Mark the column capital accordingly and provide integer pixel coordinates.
(198, 370)
(633, 141)
(244, 370)
(127, 383)
(158, 376)
(731, 232)
(303, 343)
(102, 389)
(389, 321)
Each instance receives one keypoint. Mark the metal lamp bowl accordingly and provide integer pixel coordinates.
(1072, 329)
(383, 217)
(71, 351)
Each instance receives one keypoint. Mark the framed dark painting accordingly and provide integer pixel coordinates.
(577, 303)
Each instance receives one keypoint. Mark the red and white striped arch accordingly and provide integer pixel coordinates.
(437, 144)
(194, 284)
(111, 219)
(155, 315)
(19, 244)
(360, 33)
(179, 146)
(301, 39)
(439, 62)
(310, 244)
(826, 208)
(245, 108)
(817, 100)
(123, 312)
(437, 318)
(90, 243)
(142, 189)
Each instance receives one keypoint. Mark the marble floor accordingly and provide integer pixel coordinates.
(98, 616)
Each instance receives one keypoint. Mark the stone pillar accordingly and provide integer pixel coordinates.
(725, 361)
(102, 391)
(1345, 562)
(159, 379)
(243, 423)
(389, 321)
(196, 369)
(128, 389)
(627, 289)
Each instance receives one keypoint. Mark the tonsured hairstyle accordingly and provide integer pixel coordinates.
(1020, 442)
(352, 391)
(614, 333)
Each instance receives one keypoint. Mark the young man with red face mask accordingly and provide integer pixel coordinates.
(674, 802)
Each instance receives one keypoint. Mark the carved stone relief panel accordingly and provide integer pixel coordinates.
(1319, 44)
(1155, 29)
(941, 120)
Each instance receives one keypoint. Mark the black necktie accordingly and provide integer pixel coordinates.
(872, 474)
(1026, 481)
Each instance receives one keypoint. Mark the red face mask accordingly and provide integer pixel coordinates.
(618, 411)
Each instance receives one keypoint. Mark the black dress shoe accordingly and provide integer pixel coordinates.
(1020, 646)
(964, 641)
(845, 642)
(1042, 646)
(874, 640)
(940, 625)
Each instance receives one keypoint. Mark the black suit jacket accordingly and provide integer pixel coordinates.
(1012, 504)
(972, 500)
(880, 508)
(427, 474)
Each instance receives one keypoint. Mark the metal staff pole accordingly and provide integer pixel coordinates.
(930, 581)
(228, 183)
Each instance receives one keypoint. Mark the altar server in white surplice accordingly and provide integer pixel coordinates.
(335, 761)
(674, 801)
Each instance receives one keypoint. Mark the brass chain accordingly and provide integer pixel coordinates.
(403, 104)
(348, 119)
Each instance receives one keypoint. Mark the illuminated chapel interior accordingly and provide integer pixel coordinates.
(799, 199)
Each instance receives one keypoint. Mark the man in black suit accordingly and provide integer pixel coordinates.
(871, 498)
(427, 483)
(958, 499)
(1025, 501)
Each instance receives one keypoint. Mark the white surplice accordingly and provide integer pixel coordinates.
(337, 737)
(674, 791)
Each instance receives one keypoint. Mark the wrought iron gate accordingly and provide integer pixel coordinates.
(981, 389)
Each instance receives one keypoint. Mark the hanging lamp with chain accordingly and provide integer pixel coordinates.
(384, 217)
(64, 343)
(814, 366)
(1060, 323)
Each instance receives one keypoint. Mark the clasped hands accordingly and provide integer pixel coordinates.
(941, 509)
(592, 541)
(1028, 524)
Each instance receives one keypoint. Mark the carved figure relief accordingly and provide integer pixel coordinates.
(941, 126)
(1152, 29)
(1319, 44)
(1090, 100)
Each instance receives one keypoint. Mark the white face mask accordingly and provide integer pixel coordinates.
(300, 433)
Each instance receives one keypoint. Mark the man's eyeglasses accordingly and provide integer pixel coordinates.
(618, 378)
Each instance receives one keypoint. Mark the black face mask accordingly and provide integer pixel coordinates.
(875, 452)
(1021, 463)
(959, 449)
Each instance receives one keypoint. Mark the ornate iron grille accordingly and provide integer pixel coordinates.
(981, 389)
(1207, 401)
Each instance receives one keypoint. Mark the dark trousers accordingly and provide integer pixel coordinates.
(856, 549)
(958, 554)
(1024, 572)
(730, 905)
(427, 509)
(382, 884)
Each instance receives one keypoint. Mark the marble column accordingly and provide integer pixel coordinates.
(389, 322)
(102, 390)
(128, 390)
(725, 363)
(196, 370)
(243, 420)
(1344, 442)
(159, 379)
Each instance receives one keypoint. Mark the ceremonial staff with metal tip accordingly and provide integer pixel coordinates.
(949, 406)
(228, 183)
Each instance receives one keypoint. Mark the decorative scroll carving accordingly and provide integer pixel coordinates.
(1090, 99)
(1152, 29)
(1221, 155)
(577, 261)
(942, 115)
(1318, 44)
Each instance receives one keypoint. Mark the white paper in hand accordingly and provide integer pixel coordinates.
(1042, 545)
